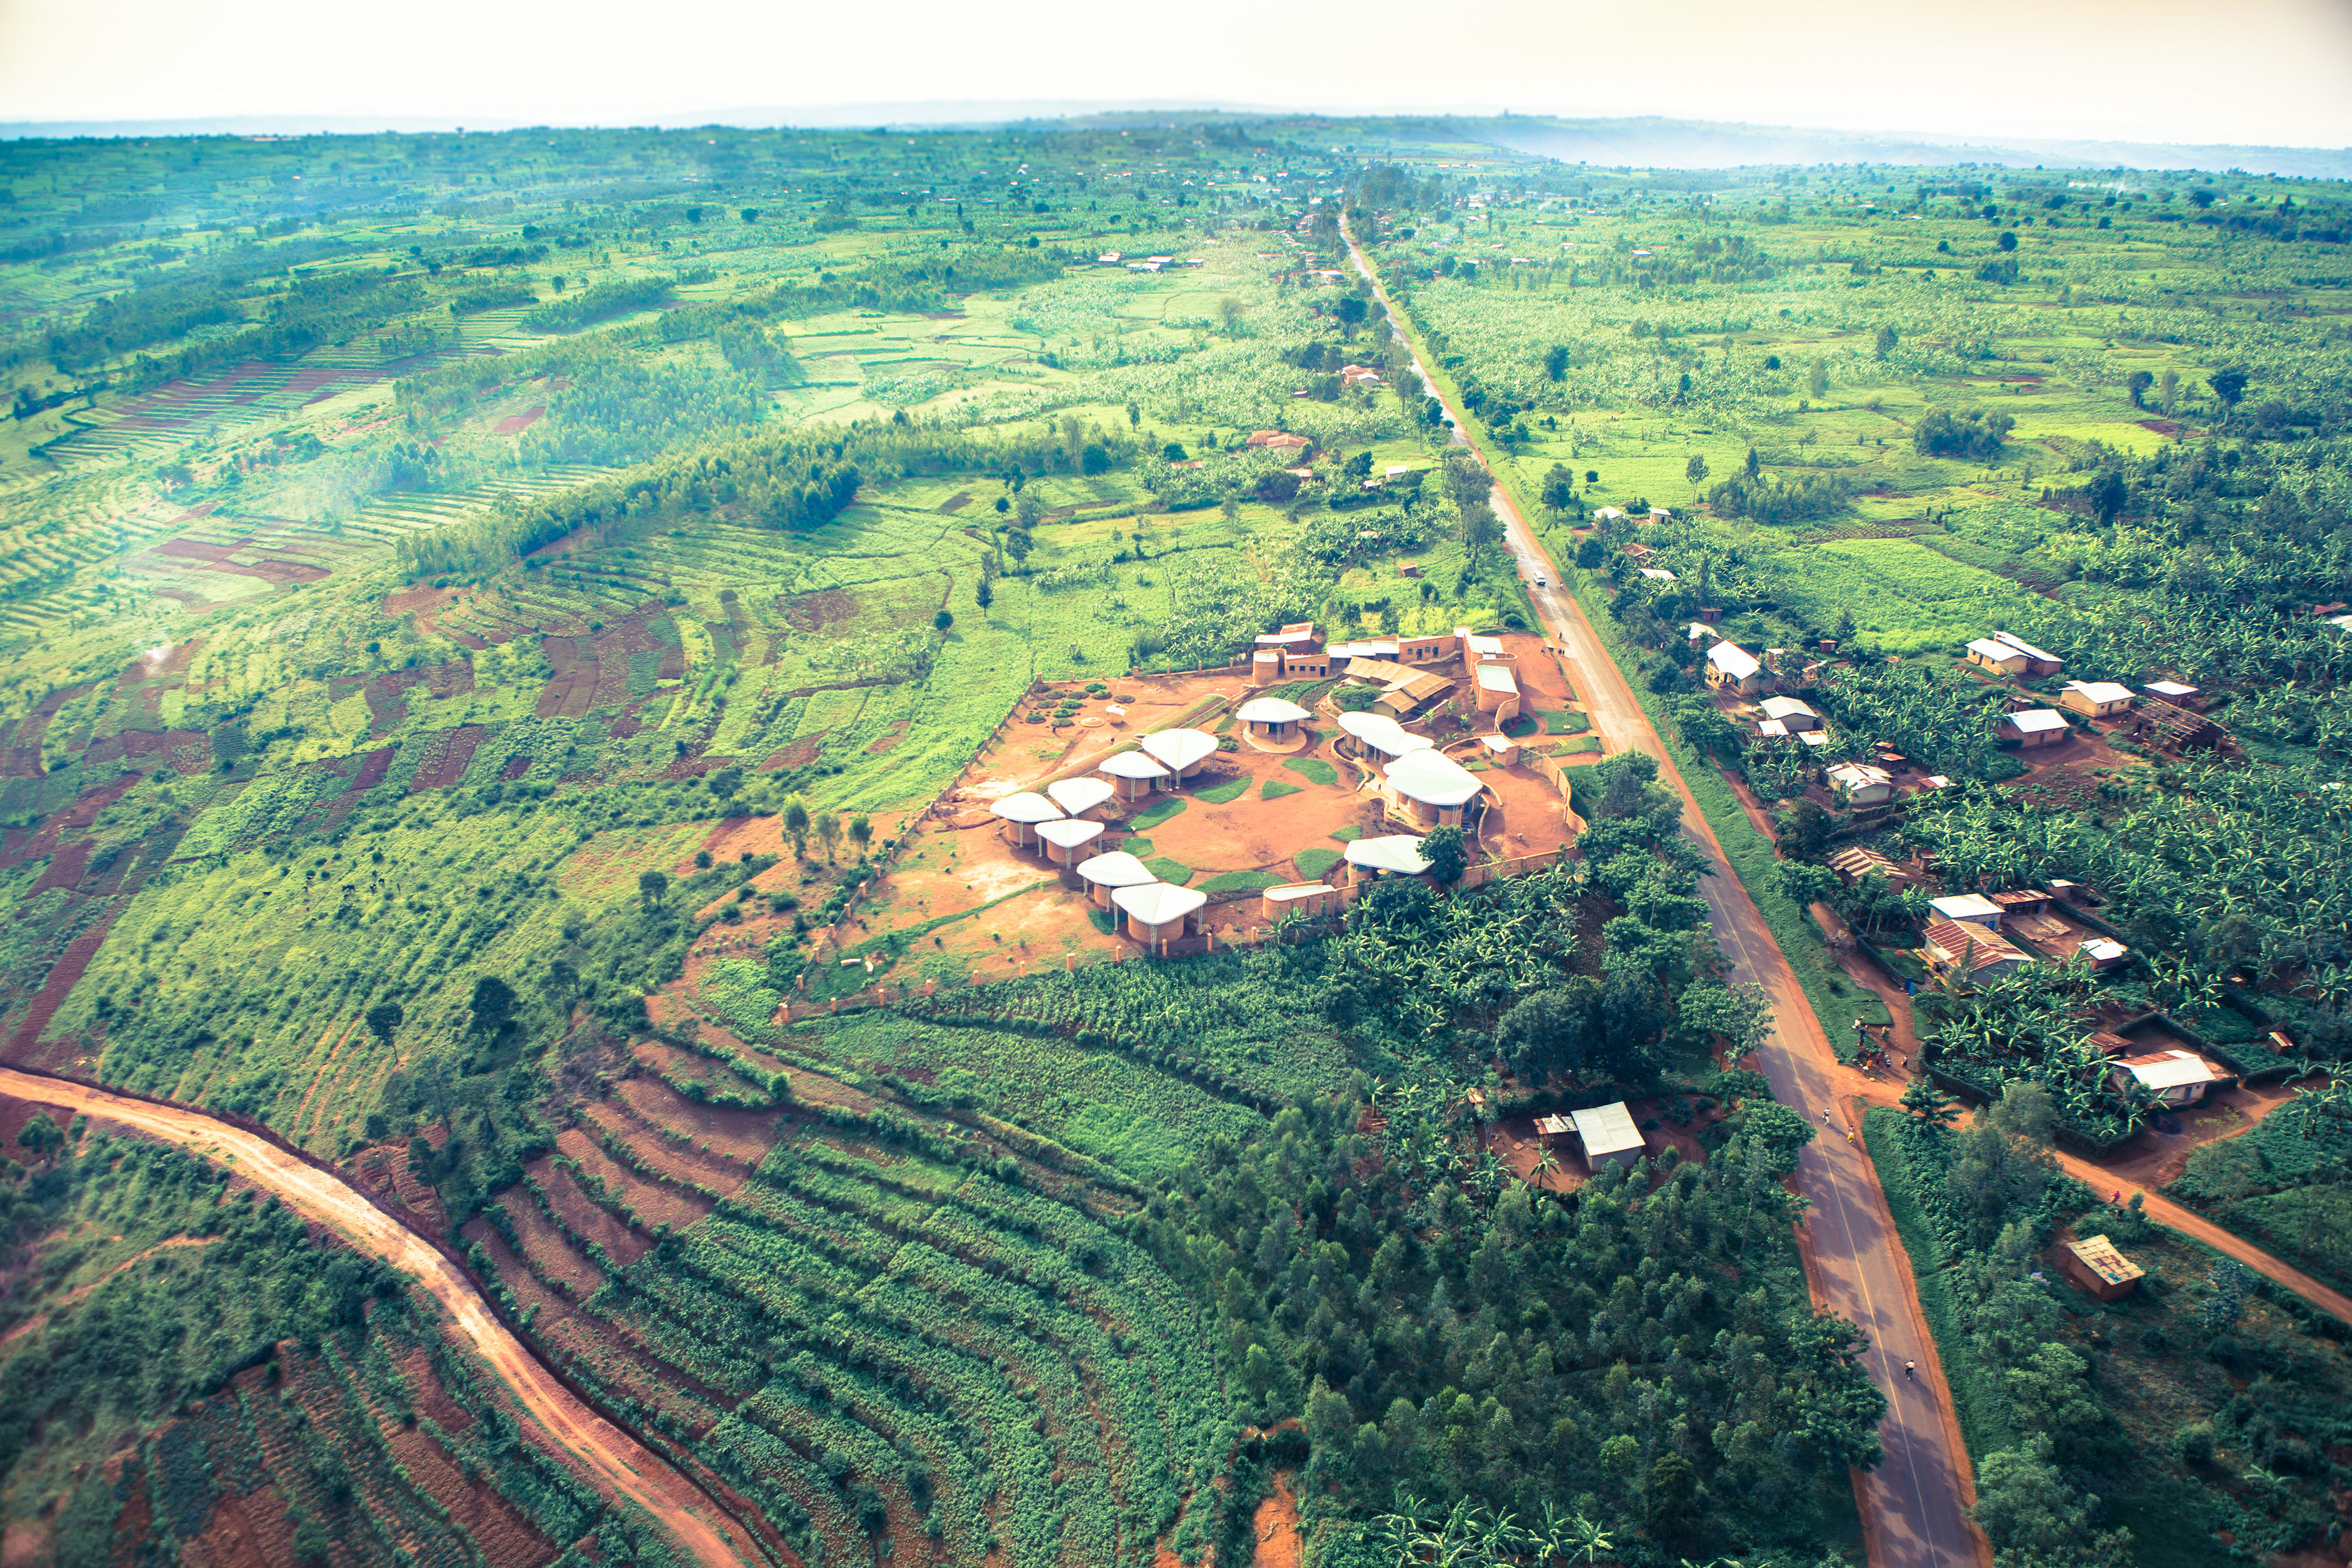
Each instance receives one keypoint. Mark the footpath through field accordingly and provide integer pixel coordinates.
(618, 1459)
(1913, 1504)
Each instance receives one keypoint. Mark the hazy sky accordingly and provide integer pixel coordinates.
(2276, 71)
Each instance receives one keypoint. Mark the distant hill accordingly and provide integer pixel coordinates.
(1703, 144)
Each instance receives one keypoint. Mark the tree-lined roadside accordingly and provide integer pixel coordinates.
(1915, 1503)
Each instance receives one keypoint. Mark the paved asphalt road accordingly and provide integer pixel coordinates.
(1912, 1503)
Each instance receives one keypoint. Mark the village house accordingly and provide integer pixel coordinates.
(2096, 698)
(2038, 663)
(1279, 440)
(1608, 1134)
(1792, 713)
(1997, 657)
(2176, 1077)
(2034, 726)
(1864, 784)
(1294, 653)
(1730, 667)
(2178, 693)
(1658, 574)
(1968, 953)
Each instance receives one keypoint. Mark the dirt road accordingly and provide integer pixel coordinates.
(616, 1458)
(1913, 1504)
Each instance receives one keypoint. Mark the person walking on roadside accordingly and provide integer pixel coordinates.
(1909, 1367)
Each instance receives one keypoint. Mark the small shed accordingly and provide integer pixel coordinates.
(1134, 774)
(2178, 693)
(1079, 796)
(1793, 712)
(1064, 838)
(1270, 718)
(1022, 812)
(2095, 1265)
(2039, 662)
(1502, 749)
(1608, 1133)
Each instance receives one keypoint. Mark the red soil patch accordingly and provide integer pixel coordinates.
(516, 767)
(140, 745)
(387, 698)
(896, 733)
(516, 424)
(799, 754)
(550, 1251)
(249, 1530)
(653, 1202)
(496, 1527)
(1279, 1544)
(196, 550)
(545, 1307)
(735, 1139)
(25, 1047)
(583, 1215)
(458, 750)
(64, 867)
(815, 612)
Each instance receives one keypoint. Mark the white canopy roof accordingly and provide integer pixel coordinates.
(1026, 806)
(1116, 868)
(1498, 744)
(1068, 833)
(1297, 891)
(1180, 749)
(1383, 733)
(1130, 765)
(1269, 711)
(1433, 779)
(1497, 677)
(2169, 688)
(1607, 1129)
(1076, 795)
(1158, 903)
(1657, 575)
(1398, 852)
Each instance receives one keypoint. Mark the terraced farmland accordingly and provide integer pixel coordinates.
(862, 1324)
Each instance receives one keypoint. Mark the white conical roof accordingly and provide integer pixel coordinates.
(1131, 765)
(1383, 733)
(1433, 778)
(1397, 852)
(1068, 832)
(1077, 795)
(1270, 711)
(1158, 903)
(1116, 868)
(1179, 749)
(1026, 807)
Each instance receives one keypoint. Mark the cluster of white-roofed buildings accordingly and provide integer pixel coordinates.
(1418, 788)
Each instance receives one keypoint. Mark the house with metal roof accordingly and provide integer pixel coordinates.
(2174, 1077)
(2096, 698)
(1731, 667)
(1608, 1134)
(2094, 1263)
(1970, 951)
(2034, 726)
(1793, 713)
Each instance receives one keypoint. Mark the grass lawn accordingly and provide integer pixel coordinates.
(1226, 793)
(1274, 789)
(1240, 882)
(1139, 847)
(1564, 723)
(1168, 870)
(1153, 816)
(1313, 864)
(1314, 769)
(1348, 833)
